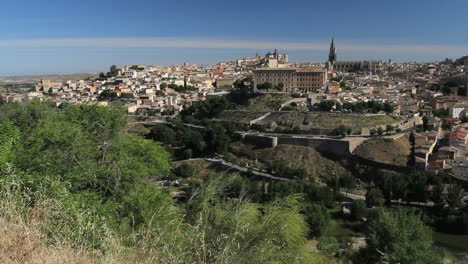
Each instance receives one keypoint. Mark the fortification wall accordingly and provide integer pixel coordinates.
(260, 141)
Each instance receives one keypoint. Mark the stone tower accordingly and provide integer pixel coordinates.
(332, 53)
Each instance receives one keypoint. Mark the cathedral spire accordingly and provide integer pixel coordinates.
(332, 53)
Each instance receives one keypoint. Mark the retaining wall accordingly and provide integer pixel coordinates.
(335, 146)
(260, 141)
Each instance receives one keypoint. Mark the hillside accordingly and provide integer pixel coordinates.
(385, 150)
(321, 120)
(267, 102)
(296, 156)
(239, 116)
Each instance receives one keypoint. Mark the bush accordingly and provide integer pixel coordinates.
(318, 219)
(359, 210)
(374, 197)
(185, 170)
(329, 245)
(187, 154)
(162, 133)
(401, 236)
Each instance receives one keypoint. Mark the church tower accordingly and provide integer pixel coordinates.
(332, 53)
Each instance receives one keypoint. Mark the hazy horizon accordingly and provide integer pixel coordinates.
(57, 37)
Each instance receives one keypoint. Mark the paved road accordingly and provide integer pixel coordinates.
(253, 171)
(257, 172)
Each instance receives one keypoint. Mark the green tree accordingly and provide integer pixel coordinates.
(401, 237)
(113, 70)
(425, 120)
(163, 86)
(25, 116)
(359, 209)
(194, 140)
(103, 122)
(318, 219)
(417, 187)
(454, 196)
(380, 131)
(437, 196)
(268, 86)
(280, 167)
(185, 170)
(390, 128)
(280, 86)
(412, 156)
(343, 130)
(238, 84)
(347, 181)
(374, 197)
(68, 151)
(132, 158)
(343, 84)
(146, 203)
(217, 139)
(326, 105)
(162, 133)
(187, 154)
(388, 108)
(395, 187)
(107, 95)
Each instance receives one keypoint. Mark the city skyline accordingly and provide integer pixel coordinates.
(61, 37)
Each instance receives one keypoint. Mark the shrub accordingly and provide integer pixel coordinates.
(185, 170)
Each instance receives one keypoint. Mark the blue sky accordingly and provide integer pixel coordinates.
(87, 36)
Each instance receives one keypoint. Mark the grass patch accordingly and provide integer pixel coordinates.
(239, 117)
(318, 167)
(319, 120)
(385, 150)
(267, 102)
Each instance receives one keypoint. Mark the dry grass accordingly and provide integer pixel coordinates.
(23, 240)
(240, 117)
(316, 120)
(317, 166)
(267, 102)
(385, 150)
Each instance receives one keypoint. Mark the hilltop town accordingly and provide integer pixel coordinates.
(312, 99)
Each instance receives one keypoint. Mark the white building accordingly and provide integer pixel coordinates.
(459, 110)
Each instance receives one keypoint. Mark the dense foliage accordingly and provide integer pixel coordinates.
(99, 185)
(101, 189)
(398, 237)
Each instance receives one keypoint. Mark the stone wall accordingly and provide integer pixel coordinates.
(326, 145)
(260, 141)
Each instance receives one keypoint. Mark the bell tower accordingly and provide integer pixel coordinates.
(332, 53)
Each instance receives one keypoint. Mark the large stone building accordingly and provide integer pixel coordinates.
(293, 79)
(226, 82)
(462, 61)
(270, 60)
(349, 66)
(44, 85)
(356, 66)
